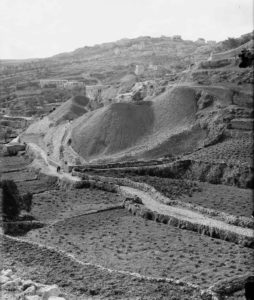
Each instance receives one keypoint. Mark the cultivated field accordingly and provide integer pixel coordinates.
(229, 199)
(118, 240)
(10, 163)
(48, 266)
(55, 205)
(41, 184)
(236, 150)
(19, 176)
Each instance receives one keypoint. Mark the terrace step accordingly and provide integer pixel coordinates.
(236, 133)
(242, 124)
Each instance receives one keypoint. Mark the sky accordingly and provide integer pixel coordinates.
(42, 28)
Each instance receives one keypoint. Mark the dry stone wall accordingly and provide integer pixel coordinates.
(142, 211)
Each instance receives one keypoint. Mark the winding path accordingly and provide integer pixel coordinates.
(177, 212)
(48, 169)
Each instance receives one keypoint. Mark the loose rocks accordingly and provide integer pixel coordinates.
(27, 289)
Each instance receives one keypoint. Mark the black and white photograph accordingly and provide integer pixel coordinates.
(126, 149)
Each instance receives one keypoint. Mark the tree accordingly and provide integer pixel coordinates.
(12, 202)
(10, 199)
(247, 58)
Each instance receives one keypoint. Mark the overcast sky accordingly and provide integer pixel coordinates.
(41, 28)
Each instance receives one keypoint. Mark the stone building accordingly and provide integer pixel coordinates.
(139, 70)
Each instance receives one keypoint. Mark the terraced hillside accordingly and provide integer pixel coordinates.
(142, 188)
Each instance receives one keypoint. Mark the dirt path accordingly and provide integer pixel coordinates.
(184, 214)
(46, 168)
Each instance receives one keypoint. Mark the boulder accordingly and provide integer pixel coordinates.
(12, 285)
(48, 291)
(27, 283)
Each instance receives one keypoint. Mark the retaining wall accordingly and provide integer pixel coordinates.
(142, 211)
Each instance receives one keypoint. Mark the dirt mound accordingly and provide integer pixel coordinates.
(130, 130)
(111, 129)
(70, 110)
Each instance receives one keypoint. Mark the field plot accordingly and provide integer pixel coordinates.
(9, 163)
(41, 184)
(118, 240)
(224, 198)
(47, 266)
(59, 204)
(18, 176)
(237, 150)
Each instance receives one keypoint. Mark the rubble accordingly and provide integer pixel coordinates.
(28, 289)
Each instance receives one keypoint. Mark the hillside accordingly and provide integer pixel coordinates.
(71, 109)
(140, 168)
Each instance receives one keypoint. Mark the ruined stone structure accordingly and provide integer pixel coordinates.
(139, 69)
(61, 83)
(50, 82)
